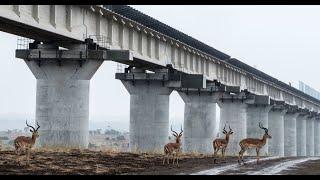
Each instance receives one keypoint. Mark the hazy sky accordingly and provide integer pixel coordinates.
(282, 41)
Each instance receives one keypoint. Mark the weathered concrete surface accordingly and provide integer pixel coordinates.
(290, 134)
(317, 137)
(301, 135)
(149, 115)
(62, 102)
(235, 115)
(256, 114)
(310, 136)
(276, 130)
(199, 122)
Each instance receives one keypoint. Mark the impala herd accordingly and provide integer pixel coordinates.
(170, 150)
(174, 149)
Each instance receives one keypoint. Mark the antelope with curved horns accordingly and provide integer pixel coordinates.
(26, 143)
(222, 144)
(173, 149)
(253, 143)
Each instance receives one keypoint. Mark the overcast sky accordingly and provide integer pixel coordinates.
(282, 41)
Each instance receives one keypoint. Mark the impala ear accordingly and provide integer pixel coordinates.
(224, 132)
(174, 135)
(231, 132)
(31, 131)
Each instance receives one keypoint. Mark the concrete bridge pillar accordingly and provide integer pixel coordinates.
(256, 114)
(199, 121)
(234, 114)
(149, 115)
(310, 136)
(290, 134)
(62, 101)
(301, 135)
(317, 136)
(276, 130)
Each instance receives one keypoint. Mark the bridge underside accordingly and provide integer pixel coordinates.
(245, 95)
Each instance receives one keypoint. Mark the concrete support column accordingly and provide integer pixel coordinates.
(310, 136)
(235, 115)
(256, 114)
(199, 122)
(301, 135)
(290, 134)
(149, 115)
(62, 101)
(317, 137)
(276, 130)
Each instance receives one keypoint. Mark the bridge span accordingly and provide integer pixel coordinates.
(72, 41)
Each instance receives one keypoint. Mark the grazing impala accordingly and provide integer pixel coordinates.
(173, 149)
(26, 143)
(221, 143)
(253, 143)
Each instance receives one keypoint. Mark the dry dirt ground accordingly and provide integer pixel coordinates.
(97, 163)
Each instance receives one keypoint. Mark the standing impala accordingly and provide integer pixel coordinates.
(253, 143)
(221, 143)
(173, 149)
(26, 143)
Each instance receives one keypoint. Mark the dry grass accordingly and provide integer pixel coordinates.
(107, 161)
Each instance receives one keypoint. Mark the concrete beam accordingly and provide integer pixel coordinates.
(173, 80)
(88, 50)
(241, 97)
(261, 100)
(119, 55)
(43, 54)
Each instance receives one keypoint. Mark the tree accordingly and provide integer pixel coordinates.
(121, 138)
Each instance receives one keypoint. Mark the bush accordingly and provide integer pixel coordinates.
(112, 132)
(91, 145)
(4, 138)
(121, 138)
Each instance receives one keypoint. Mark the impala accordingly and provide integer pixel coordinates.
(173, 149)
(253, 143)
(222, 144)
(26, 143)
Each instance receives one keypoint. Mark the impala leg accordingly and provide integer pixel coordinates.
(239, 157)
(172, 157)
(223, 152)
(178, 154)
(177, 160)
(164, 159)
(18, 155)
(242, 156)
(215, 155)
(28, 156)
(258, 150)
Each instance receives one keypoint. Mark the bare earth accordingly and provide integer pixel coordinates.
(96, 163)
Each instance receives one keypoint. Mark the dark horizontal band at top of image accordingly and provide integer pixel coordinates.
(161, 2)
